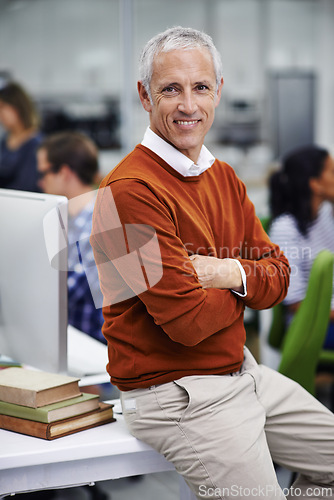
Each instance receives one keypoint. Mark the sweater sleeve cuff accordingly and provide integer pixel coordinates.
(244, 280)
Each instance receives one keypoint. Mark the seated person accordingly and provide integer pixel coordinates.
(68, 165)
(20, 120)
(179, 231)
(301, 199)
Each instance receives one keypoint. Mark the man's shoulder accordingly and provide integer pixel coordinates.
(137, 165)
(224, 167)
(136, 175)
(224, 172)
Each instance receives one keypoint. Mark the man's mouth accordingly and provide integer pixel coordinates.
(186, 122)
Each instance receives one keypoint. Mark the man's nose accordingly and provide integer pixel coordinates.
(188, 104)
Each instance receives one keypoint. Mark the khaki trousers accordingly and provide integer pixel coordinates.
(222, 433)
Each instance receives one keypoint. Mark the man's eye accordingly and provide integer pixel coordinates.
(202, 87)
(169, 90)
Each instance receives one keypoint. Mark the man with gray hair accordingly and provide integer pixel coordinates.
(189, 387)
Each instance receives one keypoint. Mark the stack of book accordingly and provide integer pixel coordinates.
(47, 405)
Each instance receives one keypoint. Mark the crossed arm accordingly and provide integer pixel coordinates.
(190, 303)
(217, 273)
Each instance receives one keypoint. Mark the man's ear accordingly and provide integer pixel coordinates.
(219, 92)
(144, 97)
(65, 171)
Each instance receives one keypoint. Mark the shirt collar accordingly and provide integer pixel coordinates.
(181, 163)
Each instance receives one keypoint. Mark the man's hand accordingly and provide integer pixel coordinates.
(217, 273)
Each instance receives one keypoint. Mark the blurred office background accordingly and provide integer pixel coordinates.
(78, 58)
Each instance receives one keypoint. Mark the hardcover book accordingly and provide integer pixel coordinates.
(59, 428)
(36, 388)
(55, 411)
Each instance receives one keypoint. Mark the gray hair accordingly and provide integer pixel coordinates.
(171, 39)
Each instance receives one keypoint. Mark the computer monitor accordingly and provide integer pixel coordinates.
(33, 293)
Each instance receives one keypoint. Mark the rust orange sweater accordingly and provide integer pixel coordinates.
(176, 328)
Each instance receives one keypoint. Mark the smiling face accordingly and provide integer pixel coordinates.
(184, 97)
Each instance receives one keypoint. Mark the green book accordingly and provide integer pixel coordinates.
(55, 411)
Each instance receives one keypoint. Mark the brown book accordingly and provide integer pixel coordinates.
(59, 428)
(36, 388)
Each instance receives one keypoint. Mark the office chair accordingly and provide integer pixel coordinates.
(265, 221)
(301, 344)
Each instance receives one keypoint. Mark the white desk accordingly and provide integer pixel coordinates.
(98, 454)
(101, 453)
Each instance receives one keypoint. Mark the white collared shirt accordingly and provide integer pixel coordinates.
(186, 167)
(181, 163)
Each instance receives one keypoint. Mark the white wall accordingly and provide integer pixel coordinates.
(324, 65)
(61, 46)
(237, 34)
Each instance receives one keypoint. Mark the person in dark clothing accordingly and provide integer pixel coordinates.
(18, 146)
